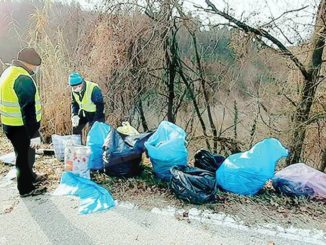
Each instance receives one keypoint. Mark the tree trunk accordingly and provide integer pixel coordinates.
(303, 109)
(142, 115)
(322, 166)
(193, 98)
(170, 56)
(300, 118)
(203, 84)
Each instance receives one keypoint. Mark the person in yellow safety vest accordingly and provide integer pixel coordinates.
(87, 102)
(21, 113)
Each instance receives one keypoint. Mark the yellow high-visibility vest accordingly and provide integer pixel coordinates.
(86, 103)
(9, 105)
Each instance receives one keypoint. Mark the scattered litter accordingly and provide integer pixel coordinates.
(45, 152)
(9, 158)
(8, 178)
(11, 175)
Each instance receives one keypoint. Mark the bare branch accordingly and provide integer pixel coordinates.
(262, 33)
(290, 100)
(225, 24)
(282, 33)
(283, 14)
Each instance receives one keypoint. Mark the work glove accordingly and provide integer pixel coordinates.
(75, 120)
(35, 142)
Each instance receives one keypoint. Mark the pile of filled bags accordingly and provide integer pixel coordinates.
(120, 152)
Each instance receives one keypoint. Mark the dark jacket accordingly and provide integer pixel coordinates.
(97, 99)
(25, 90)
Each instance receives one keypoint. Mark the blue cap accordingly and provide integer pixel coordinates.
(75, 79)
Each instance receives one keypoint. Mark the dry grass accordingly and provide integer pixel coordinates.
(5, 147)
(4, 169)
(52, 168)
(139, 189)
(53, 78)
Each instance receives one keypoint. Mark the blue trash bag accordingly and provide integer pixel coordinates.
(167, 148)
(246, 173)
(95, 140)
(93, 198)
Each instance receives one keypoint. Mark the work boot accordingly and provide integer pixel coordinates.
(39, 178)
(35, 192)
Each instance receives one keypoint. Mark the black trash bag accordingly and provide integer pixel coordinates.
(291, 188)
(120, 159)
(208, 161)
(192, 184)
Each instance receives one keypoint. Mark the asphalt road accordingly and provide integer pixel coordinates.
(55, 220)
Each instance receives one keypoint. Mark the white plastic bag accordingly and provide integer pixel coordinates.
(59, 143)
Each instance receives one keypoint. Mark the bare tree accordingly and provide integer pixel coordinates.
(310, 71)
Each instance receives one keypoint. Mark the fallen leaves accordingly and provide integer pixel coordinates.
(5, 147)
(9, 208)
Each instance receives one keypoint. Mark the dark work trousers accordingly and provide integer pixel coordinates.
(31, 161)
(82, 123)
(21, 143)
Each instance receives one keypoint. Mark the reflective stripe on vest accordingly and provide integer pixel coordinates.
(86, 103)
(9, 105)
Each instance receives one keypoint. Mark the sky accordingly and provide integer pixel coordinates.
(254, 12)
(239, 6)
(296, 25)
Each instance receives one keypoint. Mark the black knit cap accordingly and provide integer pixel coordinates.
(30, 56)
